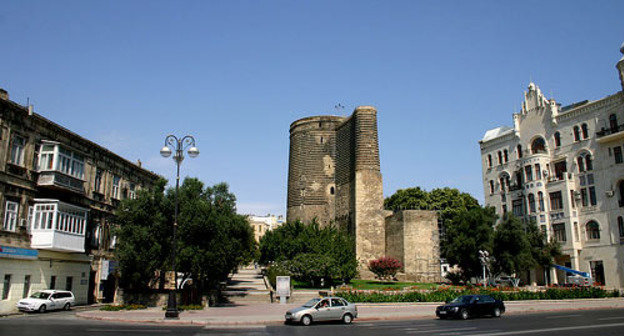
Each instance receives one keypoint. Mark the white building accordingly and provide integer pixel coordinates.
(564, 168)
(262, 224)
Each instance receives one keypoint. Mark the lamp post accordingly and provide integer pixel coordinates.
(179, 145)
(484, 258)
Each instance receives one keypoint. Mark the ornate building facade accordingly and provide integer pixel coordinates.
(563, 168)
(58, 192)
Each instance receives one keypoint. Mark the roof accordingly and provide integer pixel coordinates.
(497, 132)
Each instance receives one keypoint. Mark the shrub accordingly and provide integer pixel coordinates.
(123, 307)
(385, 268)
(274, 270)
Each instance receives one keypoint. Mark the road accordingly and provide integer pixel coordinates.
(569, 323)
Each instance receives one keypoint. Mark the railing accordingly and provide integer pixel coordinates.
(610, 130)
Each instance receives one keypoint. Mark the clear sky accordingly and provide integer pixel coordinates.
(235, 74)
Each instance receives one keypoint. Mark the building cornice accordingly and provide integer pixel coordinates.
(591, 106)
(497, 141)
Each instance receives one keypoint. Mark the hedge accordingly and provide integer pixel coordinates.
(442, 295)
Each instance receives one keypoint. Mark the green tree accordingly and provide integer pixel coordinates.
(542, 250)
(143, 233)
(468, 232)
(512, 248)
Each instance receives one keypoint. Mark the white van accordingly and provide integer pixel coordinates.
(47, 300)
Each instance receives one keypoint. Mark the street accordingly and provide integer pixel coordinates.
(569, 323)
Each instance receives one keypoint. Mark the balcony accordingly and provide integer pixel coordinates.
(56, 179)
(610, 134)
(58, 226)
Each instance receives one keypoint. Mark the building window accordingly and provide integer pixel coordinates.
(53, 282)
(617, 154)
(531, 203)
(613, 123)
(529, 173)
(66, 161)
(588, 191)
(556, 201)
(581, 164)
(500, 158)
(577, 135)
(506, 156)
(561, 168)
(519, 148)
(17, 150)
(116, 189)
(517, 209)
(572, 201)
(557, 140)
(46, 157)
(620, 222)
(10, 216)
(6, 289)
(538, 146)
(540, 197)
(491, 187)
(132, 191)
(584, 131)
(559, 232)
(97, 181)
(68, 283)
(504, 209)
(538, 172)
(589, 165)
(59, 217)
(593, 230)
(26, 290)
(621, 193)
(489, 160)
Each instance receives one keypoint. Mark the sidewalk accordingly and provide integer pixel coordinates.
(273, 314)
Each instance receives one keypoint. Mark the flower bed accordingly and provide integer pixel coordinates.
(123, 307)
(505, 294)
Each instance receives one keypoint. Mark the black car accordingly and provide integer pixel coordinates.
(467, 306)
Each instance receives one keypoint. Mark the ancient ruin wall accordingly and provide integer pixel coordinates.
(311, 170)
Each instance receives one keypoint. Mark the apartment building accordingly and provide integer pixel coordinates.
(58, 193)
(262, 224)
(563, 167)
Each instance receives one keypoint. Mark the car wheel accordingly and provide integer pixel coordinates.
(42, 308)
(306, 320)
(496, 312)
(347, 319)
(67, 306)
(464, 314)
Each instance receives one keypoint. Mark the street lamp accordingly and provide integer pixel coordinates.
(179, 145)
(484, 258)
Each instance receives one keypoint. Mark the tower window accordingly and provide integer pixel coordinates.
(519, 151)
(332, 190)
(577, 136)
(585, 131)
(557, 139)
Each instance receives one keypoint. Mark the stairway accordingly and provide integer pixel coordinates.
(247, 285)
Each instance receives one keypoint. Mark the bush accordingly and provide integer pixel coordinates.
(274, 270)
(385, 268)
(123, 307)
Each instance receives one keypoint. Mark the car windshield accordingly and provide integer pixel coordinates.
(462, 299)
(311, 303)
(40, 295)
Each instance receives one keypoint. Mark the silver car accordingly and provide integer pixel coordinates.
(323, 309)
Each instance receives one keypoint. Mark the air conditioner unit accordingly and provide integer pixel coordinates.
(609, 193)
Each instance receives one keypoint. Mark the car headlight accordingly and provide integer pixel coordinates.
(455, 308)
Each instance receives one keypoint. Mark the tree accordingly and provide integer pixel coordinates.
(468, 232)
(142, 223)
(212, 240)
(309, 250)
(543, 251)
(512, 248)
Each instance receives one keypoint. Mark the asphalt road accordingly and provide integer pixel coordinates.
(569, 323)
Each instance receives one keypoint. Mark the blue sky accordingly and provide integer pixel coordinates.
(235, 74)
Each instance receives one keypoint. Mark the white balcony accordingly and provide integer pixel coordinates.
(58, 226)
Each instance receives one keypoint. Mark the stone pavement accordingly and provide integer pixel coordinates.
(273, 314)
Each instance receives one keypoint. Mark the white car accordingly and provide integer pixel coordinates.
(47, 300)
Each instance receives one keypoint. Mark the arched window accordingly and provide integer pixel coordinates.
(577, 135)
(557, 139)
(589, 165)
(332, 190)
(491, 187)
(506, 155)
(519, 151)
(593, 230)
(540, 197)
(500, 157)
(531, 203)
(581, 165)
(620, 221)
(489, 160)
(502, 183)
(585, 131)
(613, 123)
(538, 172)
(538, 146)
(621, 192)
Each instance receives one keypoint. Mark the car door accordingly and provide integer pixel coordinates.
(482, 305)
(54, 301)
(323, 310)
(337, 309)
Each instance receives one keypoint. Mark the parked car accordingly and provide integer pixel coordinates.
(467, 306)
(323, 309)
(47, 300)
